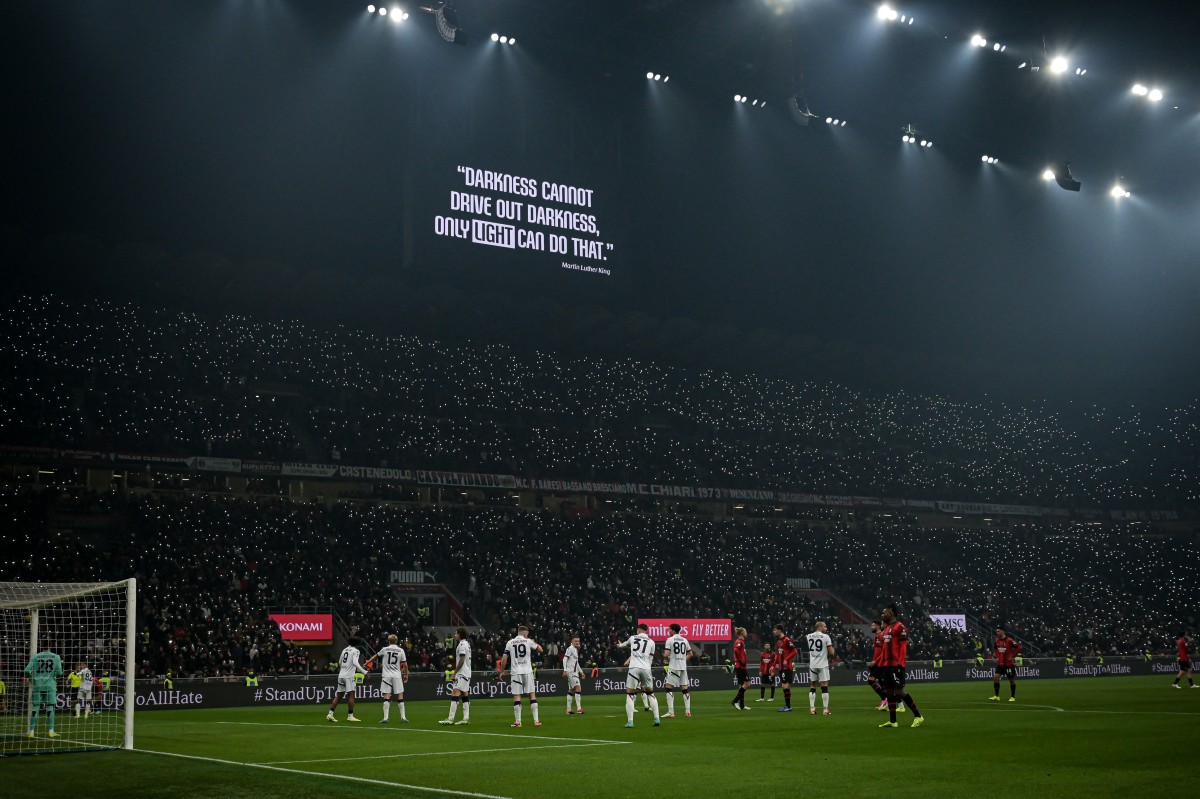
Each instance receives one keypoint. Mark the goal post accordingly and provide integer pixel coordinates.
(67, 666)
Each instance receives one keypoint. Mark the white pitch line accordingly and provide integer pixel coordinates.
(434, 754)
(1063, 710)
(346, 777)
(327, 725)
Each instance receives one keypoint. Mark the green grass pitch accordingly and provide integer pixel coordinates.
(1101, 737)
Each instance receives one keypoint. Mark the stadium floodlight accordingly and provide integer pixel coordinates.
(1063, 177)
(398, 16)
(843, 123)
(978, 41)
(887, 13)
(996, 47)
(1118, 192)
(371, 9)
(446, 17)
(828, 120)
(835, 121)
(904, 138)
(1048, 175)
(1155, 95)
(503, 40)
(382, 11)
(666, 78)
(737, 98)
(496, 38)
(1059, 65)
(1140, 90)
(1080, 71)
(657, 76)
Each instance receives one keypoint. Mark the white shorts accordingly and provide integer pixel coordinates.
(461, 684)
(522, 684)
(677, 679)
(346, 685)
(572, 681)
(818, 675)
(84, 693)
(392, 684)
(639, 678)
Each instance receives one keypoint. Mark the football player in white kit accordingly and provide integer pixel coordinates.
(460, 687)
(348, 666)
(820, 649)
(640, 662)
(394, 664)
(83, 694)
(573, 674)
(677, 651)
(519, 653)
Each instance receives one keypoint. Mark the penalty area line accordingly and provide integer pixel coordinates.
(432, 754)
(343, 777)
(325, 725)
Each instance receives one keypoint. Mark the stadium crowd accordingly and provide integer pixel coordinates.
(211, 565)
(107, 376)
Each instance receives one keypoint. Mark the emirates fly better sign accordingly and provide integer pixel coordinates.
(692, 629)
(309, 627)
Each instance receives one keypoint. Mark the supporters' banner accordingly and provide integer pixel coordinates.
(1145, 515)
(976, 508)
(376, 473)
(304, 626)
(308, 470)
(692, 629)
(217, 465)
(177, 461)
(465, 479)
(259, 467)
(32, 454)
(951, 621)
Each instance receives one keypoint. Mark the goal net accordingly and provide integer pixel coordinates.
(66, 666)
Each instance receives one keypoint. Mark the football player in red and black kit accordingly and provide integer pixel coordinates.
(1185, 662)
(785, 663)
(766, 660)
(1005, 650)
(892, 668)
(739, 668)
(873, 671)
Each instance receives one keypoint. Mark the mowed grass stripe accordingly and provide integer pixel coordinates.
(1115, 736)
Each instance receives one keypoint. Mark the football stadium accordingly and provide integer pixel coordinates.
(511, 398)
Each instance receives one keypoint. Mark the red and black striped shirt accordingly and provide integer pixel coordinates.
(785, 654)
(895, 645)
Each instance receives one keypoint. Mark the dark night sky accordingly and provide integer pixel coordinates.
(310, 133)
